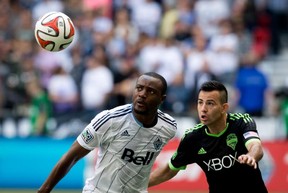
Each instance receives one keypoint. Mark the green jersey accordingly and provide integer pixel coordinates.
(217, 155)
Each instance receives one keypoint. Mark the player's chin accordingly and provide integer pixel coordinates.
(140, 109)
(204, 121)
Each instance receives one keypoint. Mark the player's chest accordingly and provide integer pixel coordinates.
(137, 139)
(222, 147)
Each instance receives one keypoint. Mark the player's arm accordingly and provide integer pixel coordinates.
(255, 153)
(252, 143)
(75, 153)
(161, 174)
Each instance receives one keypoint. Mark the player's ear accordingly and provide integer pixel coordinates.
(163, 97)
(225, 107)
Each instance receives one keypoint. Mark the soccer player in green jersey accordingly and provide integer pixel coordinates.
(225, 145)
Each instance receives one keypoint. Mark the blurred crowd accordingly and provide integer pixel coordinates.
(186, 41)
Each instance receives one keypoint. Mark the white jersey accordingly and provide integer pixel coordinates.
(126, 149)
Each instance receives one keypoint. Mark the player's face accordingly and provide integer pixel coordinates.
(147, 95)
(210, 109)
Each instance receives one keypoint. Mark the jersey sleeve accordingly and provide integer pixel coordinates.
(92, 134)
(250, 132)
(181, 158)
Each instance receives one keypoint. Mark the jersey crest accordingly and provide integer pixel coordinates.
(158, 143)
(232, 140)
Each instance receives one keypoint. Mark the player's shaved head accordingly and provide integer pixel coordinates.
(214, 85)
(161, 78)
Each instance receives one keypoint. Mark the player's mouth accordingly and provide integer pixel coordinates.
(203, 118)
(140, 103)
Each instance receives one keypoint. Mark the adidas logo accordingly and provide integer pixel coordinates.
(125, 133)
(202, 151)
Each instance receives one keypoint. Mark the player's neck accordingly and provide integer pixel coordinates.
(146, 120)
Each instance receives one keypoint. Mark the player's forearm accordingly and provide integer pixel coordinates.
(255, 150)
(254, 154)
(160, 175)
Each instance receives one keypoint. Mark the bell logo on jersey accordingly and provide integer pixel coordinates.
(128, 155)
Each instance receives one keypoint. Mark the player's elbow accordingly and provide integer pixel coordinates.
(161, 175)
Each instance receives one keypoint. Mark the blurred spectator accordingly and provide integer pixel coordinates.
(24, 26)
(46, 62)
(40, 107)
(209, 13)
(96, 84)
(165, 58)
(5, 20)
(74, 9)
(125, 74)
(197, 70)
(101, 23)
(244, 36)
(261, 34)
(245, 10)
(171, 66)
(85, 31)
(123, 28)
(4, 71)
(63, 93)
(104, 5)
(282, 95)
(78, 67)
(45, 6)
(224, 46)
(168, 20)
(150, 55)
(151, 58)
(101, 30)
(279, 23)
(186, 14)
(140, 11)
(252, 86)
(177, 19)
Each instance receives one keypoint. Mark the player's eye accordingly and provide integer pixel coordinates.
(151, 91)
(200, 102)
(210, 103)
(139, 88)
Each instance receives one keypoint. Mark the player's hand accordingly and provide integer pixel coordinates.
(247, 159)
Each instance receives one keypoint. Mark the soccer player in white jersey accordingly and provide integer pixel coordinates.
(128, 138)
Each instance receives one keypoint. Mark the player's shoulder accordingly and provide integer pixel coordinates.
(114, 113)
(198, 128)
(167, 118)
(121, 109)
(240, 117)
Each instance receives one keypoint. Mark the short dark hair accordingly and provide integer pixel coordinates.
(161, 78)
(215, 85)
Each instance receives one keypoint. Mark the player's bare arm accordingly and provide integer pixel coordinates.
(255, 154)
(161, 174)
(75, 153)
